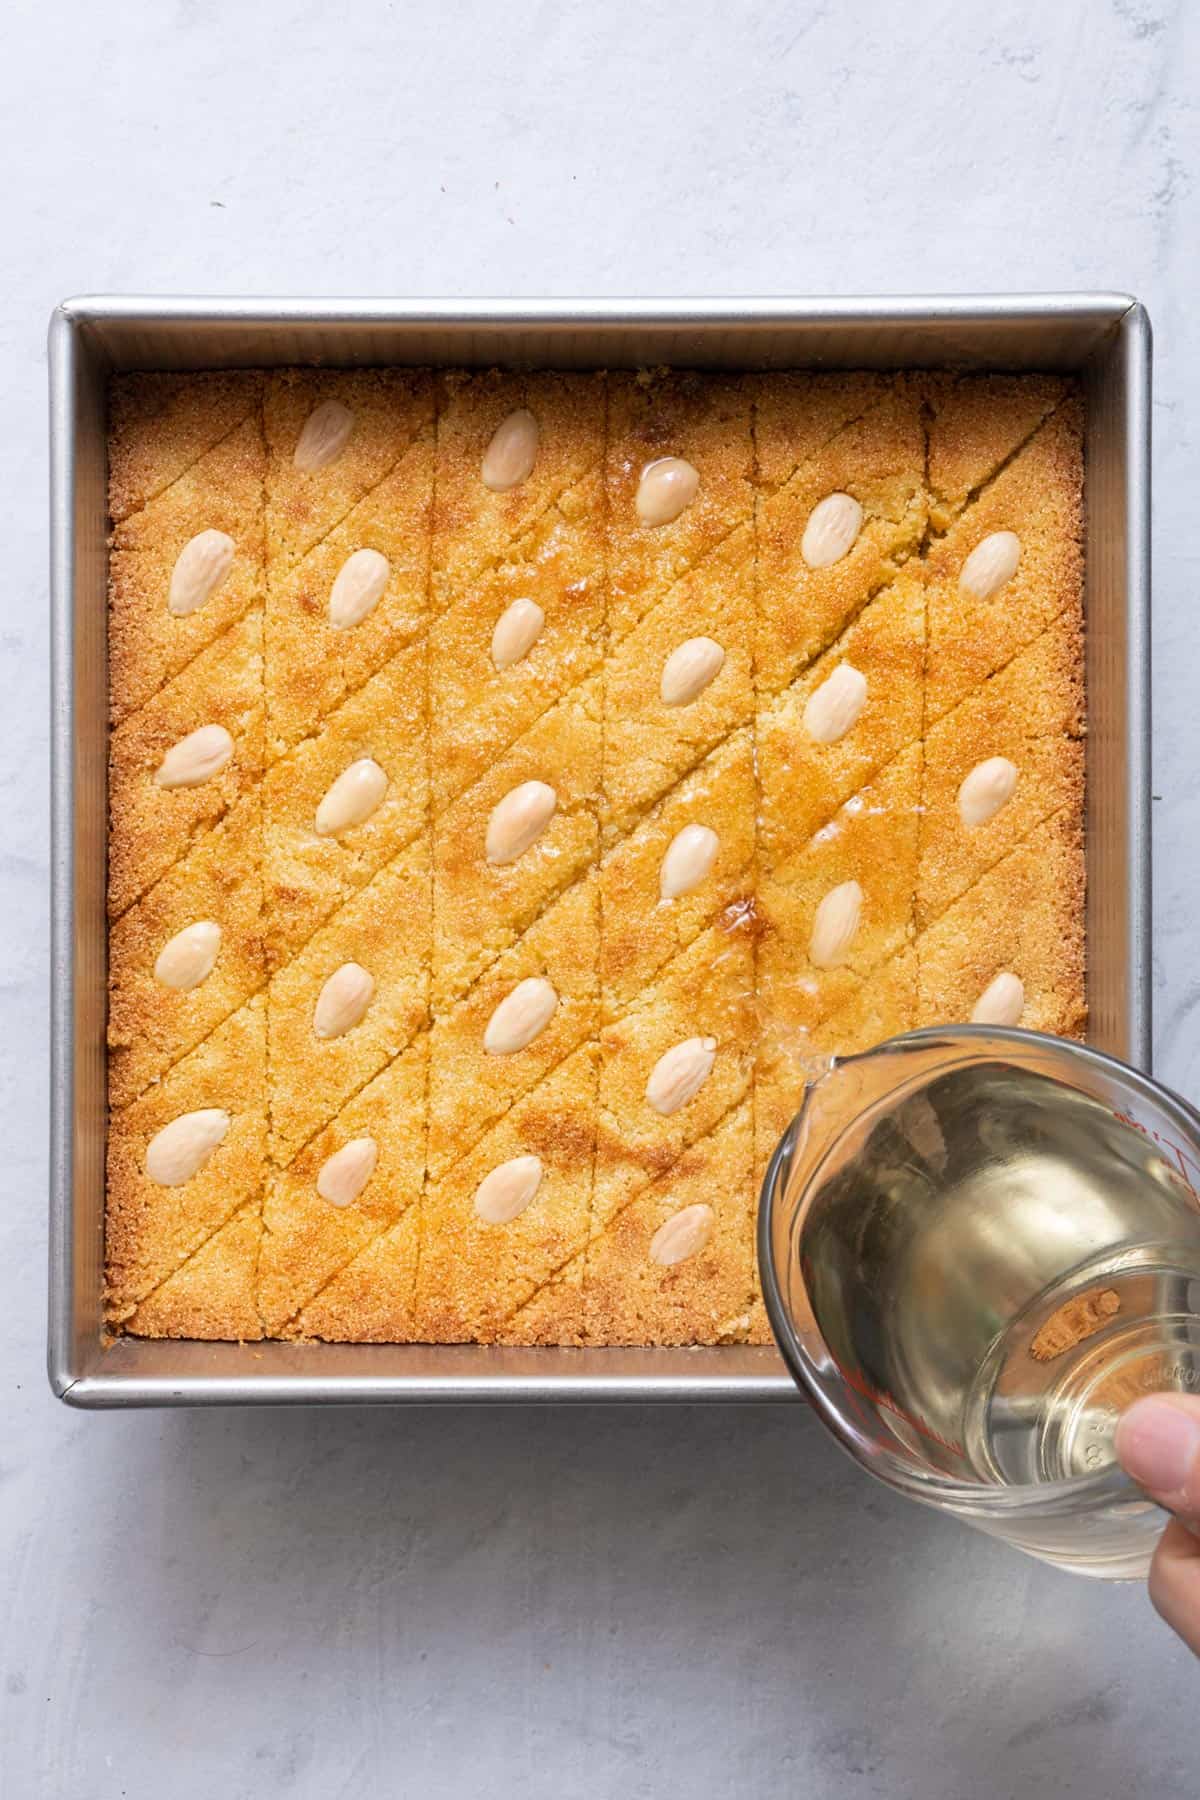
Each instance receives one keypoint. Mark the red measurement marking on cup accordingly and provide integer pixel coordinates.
(860, 1385)
(1180, 1155)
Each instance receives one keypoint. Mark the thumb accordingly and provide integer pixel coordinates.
(1158, 1444)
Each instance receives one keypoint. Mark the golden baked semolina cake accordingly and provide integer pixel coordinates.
(333, 438)
(187, 954)
(522, 782)
(515, 841)
(343, 610)
(855, 709)
(843, 902)
(207, 522)
(833, 533)
(184, 1157)
(679, 477)
(179, 763)
(528, 1011)
(677, 1263)
(344, 802)
(358, 963)
(678, 683)
(687, 860)
(489, 1243)
(161, 427)
(352, 1180)
(974, 425)
(1009, 563)
(518, 567)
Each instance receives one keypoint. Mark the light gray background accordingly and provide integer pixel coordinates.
(538, 1602)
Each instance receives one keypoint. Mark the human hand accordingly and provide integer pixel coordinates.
(1158, 1444)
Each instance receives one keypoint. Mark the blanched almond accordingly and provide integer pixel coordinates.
(1001, 1003)
(504, 1194)
(343, 1001)
(689, 669)
(667, 488)
(517, 630)
(987, 788)
(520, 1017)
(512, 452)
(991, 563)
(200, 568)
(324, 436)
(358, 588)
(196, 758)
(181, 1149)
(690, 856)
(518, 821)
(835, 924)
(352, 798)
(832, 530)
(189, 957)
(682, 1235)
(833, 709)
(680, 1073)
(343, 1176)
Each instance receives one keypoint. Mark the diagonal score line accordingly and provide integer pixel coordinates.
(770, 489)
(238, 1206)
(288, 567)
(654, 810)
(966, 700)
(417, 1201)
(1020, 843)
(519, 546)
(263, 585)
(976, 493)
(516, 547)
(159, 1075)
(256, 598)
(584, 1249)
(158, 494)
(253, 1201)
(199, 829)
(901, 555)
(421, 637)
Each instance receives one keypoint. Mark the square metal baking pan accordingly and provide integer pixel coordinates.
(1105, 338)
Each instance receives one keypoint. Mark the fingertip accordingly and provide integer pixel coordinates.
(1157, 1442)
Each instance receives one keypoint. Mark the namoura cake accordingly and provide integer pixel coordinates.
(518, 782)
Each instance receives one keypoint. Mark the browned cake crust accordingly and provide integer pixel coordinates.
(875, 795)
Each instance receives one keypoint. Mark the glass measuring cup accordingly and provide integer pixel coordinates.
(978, 1246)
